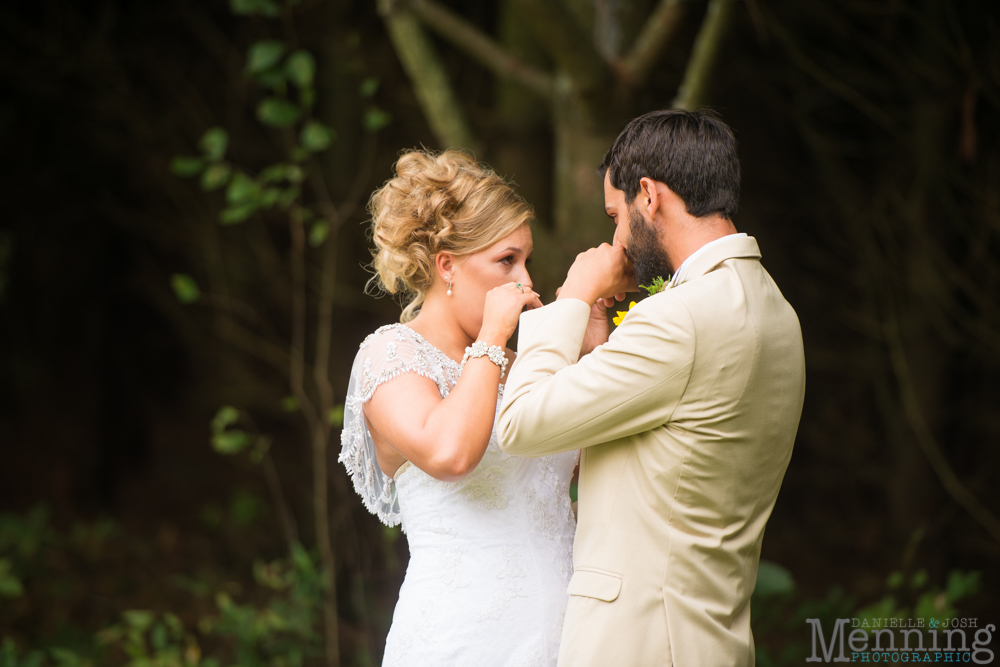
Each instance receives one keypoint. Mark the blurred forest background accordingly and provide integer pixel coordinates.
(182, 291)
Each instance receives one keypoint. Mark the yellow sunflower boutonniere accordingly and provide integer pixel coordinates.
(659, 284)
(621, 314)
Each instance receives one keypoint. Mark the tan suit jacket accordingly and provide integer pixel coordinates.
(686, 418)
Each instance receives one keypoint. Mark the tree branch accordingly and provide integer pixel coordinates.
(694, 87)
(875, 262)
(285, 517)
(656, 34)
(828, 81)
(925, 438)
(253, 345)
(430, 83)
(486, 51)
(557, 33)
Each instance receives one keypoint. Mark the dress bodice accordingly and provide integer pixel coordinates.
(490, 555)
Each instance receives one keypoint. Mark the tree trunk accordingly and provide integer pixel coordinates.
(581, 140)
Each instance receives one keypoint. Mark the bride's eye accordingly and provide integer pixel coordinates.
(508, 260)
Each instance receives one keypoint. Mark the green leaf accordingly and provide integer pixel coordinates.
(290, 404)
(919, 579)
(273, 79)
(270, 575)
(301, 68)
(64, 657)
(215, 176)
(301, 559)
(375, 119)
(962, 585)
(267, 8)
(274, 173)
(10, 586)
(138, 619)
(185, 288)
(242, 189)
(659, 284)
(158, 637)
(9, 657)
(307, 97)
(223, 601)
(288, 196)
(318, 233)
(185, 167)
(335, 416)
(773, 579)
(109, 636)
(369, 86)
(260, 448)
(246, 508)
(232, 215)
(214, 143)
(226, 416)
(278, 113)
(269, 197)
(884, 608)
(895, 580)
(174, 624)
(264, 55)
(316, 136)
(230, 442)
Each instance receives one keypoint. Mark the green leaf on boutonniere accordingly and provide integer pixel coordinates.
(659, 284)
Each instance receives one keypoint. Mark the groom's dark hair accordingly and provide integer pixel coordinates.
(692, 152)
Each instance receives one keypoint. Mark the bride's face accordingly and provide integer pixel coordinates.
(474, 275)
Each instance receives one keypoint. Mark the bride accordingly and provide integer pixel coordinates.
(490, 535)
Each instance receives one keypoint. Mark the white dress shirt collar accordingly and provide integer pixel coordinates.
(700, 251)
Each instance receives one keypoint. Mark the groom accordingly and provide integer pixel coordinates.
(685, 416)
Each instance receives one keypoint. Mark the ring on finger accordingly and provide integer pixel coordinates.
(519, 287)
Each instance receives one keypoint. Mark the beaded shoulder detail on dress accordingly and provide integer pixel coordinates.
(396, 349)
(389, 352)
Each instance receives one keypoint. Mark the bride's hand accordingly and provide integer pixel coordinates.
(503, 308)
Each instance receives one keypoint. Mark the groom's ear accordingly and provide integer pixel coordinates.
(649, 198)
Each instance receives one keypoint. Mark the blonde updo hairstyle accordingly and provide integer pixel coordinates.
(437, 202)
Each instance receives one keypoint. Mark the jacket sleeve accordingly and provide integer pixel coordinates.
(629, 385)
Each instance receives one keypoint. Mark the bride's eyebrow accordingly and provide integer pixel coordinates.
(511, 249)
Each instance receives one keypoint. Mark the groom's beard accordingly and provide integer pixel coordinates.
(648, 257)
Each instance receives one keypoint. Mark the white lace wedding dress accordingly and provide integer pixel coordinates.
(490, 555)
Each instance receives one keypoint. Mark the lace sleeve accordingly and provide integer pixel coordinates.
(384, 355)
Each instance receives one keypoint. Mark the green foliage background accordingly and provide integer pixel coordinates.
(184, 231)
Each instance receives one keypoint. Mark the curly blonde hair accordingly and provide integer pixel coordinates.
(437, 202)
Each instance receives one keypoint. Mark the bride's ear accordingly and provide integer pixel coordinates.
(444, 262)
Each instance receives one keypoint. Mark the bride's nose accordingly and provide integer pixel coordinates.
(525, 279)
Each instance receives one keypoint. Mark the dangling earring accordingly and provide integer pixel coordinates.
(449, 289)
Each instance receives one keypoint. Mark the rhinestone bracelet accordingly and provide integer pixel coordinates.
(493, 352)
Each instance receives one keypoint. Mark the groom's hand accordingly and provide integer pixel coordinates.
(598, 330)
(603, 272)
